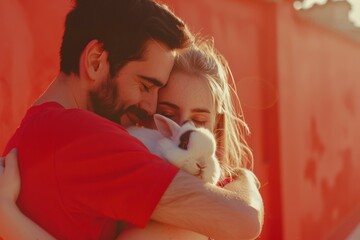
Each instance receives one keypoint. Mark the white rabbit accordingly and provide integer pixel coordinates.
(187, 147)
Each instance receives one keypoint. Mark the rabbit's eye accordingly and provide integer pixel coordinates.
(184, 139)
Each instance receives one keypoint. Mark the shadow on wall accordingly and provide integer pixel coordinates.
(336, 197)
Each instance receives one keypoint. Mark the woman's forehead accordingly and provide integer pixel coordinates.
(187, 89)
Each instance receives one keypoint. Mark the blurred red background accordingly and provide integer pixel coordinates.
(298, 80)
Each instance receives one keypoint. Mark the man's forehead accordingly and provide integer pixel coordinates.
(157, 61)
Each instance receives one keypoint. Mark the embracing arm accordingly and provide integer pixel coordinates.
(187, 203)
(14, 224)
(212, 211)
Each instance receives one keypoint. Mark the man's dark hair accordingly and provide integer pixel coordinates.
(123, 27)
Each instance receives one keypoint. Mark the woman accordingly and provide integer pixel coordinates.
(198, 90)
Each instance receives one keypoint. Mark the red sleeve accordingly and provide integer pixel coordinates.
(107, 172)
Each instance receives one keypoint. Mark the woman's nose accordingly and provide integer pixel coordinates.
(183, 120)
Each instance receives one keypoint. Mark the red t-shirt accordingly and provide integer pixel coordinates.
(81, 173)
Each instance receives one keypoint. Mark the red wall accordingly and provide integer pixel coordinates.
(319, 83)
(31, 33)
(298, 83)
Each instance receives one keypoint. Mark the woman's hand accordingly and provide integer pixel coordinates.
(9, 178)
(14, 224)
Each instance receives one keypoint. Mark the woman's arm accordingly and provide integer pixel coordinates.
(14, 224)
(247, 182)
(191, 204)
(244, 181)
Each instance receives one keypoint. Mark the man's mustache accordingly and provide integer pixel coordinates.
(139, 113)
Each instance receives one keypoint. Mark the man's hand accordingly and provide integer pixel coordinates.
(9, 178)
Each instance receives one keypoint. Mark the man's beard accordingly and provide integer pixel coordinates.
(105, 101)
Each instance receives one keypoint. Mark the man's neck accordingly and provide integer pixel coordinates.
(67, 90)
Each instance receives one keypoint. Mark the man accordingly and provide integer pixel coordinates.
(81, 173)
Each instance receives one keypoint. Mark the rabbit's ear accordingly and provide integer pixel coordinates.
(188, 122)
(167, 127)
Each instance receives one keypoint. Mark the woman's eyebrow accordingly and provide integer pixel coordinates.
(169, 104)
(201, 110)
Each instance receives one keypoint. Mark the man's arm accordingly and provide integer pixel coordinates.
(212, 211)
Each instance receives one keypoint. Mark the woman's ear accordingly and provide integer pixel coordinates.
(94, 61)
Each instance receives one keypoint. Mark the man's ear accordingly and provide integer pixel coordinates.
(94, 61)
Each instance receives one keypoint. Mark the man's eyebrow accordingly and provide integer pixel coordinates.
(169, 104)
(152, 80)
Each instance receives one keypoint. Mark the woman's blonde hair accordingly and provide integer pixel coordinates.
(204, 61)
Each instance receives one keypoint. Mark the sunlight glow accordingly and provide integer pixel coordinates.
(309, 3)
(354, 14)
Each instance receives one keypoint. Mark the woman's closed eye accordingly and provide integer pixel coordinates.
(168, 115)
(199, 122)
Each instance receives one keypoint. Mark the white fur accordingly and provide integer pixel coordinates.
(198, 159)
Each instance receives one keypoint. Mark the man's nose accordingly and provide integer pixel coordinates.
(149, 103)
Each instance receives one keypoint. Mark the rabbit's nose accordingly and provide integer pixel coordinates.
(200, 166)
